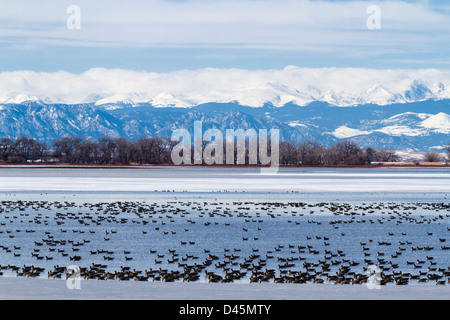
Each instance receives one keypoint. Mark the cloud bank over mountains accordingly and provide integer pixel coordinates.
(167, 35)
(254, 88)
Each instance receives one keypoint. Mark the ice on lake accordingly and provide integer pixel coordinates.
(213, 179)
(305, 218)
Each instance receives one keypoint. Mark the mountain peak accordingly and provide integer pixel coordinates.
(18, 98)
(377, 94)
(418, 92)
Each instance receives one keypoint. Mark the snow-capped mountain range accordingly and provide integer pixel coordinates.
(253, 88)
(393, 109)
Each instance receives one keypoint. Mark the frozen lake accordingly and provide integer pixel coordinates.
(316, 222)
(213, 179)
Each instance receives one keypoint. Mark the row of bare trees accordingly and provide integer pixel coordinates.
(106, 150)
(343, 153)
(433, 156)
(21, 150)
(157, 150)
(74, 150)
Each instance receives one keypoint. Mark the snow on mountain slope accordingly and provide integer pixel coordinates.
(121, 98)
(344, 132)
(296, 124)
(378, 95)
(254, 88)
(17, 98)
(410, 114)
(439, 122)
(397, 131)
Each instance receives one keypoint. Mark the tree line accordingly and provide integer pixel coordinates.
(157, 150)
(76, 150)
(345, 152)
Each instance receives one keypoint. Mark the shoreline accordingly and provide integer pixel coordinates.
(160, 166)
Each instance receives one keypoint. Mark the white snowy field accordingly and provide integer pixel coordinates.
(50, 289)
(191, 179)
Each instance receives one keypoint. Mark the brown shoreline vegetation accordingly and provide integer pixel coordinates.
(156, 167)
(107, 152)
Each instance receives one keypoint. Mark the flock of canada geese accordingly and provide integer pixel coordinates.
(227, 241)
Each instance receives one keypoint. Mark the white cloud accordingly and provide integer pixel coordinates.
(282, 24)
(185, 88)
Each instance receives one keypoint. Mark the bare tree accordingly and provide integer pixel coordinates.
(123, 151)
(370, 155)
(106, 150)
(349, 152)
(25, 149)
(331, 156)
(311, 153)
(5, 148)
(380, 155)
(154, 150)
(38, 150)
(432, 156)
(86, 152)
(65, 148)
(288, 153)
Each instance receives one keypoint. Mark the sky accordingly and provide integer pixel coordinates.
(171, 35)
